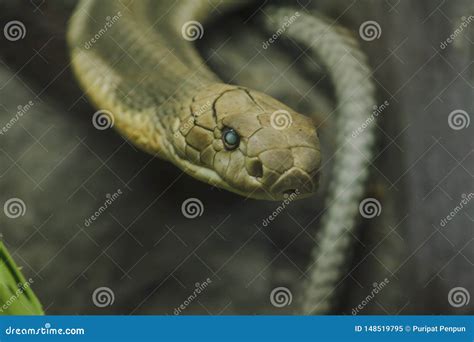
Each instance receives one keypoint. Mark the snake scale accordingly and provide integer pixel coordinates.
(134, 61)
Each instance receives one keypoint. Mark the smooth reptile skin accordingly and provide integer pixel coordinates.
(132, 59)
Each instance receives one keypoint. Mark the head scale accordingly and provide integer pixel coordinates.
(248, 143)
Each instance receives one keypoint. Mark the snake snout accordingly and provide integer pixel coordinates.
(293, 170)
(293, 181)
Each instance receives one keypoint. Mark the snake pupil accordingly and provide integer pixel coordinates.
(231, 138)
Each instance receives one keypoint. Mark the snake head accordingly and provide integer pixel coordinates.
(249, 143)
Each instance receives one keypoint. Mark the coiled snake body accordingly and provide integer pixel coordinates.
(135, 61)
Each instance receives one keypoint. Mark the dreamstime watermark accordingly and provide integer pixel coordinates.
(109, 22)
(110, 198)
(103, 296)
(370, 30)
(192, 30)
(281, 119)
(377, 287)
(370, 208)
(22, 287)
(281, 296)
(458, 297)
(103, 119)
(192, 208)
(21, 110)
(377, 110)
(464, 24)
(185, 126)
(288, 21)
(47, 329)
(290, 198)
(198, 289)
(14, 208)
(466, 198)
(458, 119)
(14, 30)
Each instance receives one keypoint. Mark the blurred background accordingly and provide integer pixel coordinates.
(151, 258)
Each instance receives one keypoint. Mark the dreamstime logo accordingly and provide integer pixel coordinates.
(187, 124)
(377, 287)
(14, 208)
(377, 110)
(466, 198)
(21, 288)
(281, 119)
(458, 296)
(458, 119)
(21, 110)
(199, 288)
(109, 22)
(192, 30)
(287, 22)
(103, 296)
(464, 24)
(14, 30)
(370, 30)
(109, 200)
(370, 207)
(281, 296)
(289, 198)
(192, 208)
(103, 119)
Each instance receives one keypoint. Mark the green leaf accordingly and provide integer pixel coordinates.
(16, 295)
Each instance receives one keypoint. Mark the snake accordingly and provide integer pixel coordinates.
(138, 64)
(165, 100)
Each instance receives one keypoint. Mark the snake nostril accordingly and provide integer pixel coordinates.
(255, 168)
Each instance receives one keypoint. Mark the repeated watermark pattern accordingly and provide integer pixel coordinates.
(109, 22)
(466, 198)
(459, 119)
(377, 110)
(109, 200)
(103, 296)
(198, 290)
(192, 30)
(192, 208)
(281, 296)
(19, 291)
(377, 287)
(275, 36)
(21, 110)
(14, 30)
(289, 198)
(185, 126)
(103, 119)
(370, 208)
(370, 30)
(459, 297)
(281, 119)
(14, 208)
(457, 32)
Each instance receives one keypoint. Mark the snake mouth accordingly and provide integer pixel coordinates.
(293, 181)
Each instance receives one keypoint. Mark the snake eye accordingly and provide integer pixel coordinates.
(231, 138)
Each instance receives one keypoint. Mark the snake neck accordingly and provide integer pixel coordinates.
(141, 66)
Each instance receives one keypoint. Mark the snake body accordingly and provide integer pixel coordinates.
(143, 69)
(163, 98)
(340, 53)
